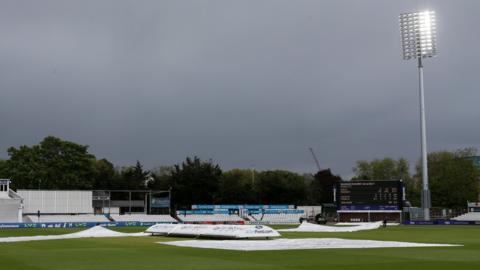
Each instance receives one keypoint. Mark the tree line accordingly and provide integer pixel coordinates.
(58, 164)
(454, 179)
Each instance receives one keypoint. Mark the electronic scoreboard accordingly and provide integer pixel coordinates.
(369, 195)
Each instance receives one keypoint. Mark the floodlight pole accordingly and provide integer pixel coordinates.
(426, 203)
(418, 32)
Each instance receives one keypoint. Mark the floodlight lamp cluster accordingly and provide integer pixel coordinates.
(419, 36)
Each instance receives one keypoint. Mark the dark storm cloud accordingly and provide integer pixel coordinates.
(246, 83)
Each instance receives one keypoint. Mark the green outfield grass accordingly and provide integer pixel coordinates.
(144, 253)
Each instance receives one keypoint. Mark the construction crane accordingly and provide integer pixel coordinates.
(315, 158)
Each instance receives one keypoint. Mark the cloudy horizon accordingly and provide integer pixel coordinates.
(244, 83)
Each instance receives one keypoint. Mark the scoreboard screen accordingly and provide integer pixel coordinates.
(369, 195)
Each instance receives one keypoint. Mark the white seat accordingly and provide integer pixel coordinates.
(143, 218)
(209, 218)
(68, 218)
(471, 216)
(279, 218)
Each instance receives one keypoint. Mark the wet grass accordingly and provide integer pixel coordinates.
(145, 253)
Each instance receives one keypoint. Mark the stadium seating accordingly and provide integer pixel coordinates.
(144, 218)
(68, 218)
(471, 216)
(209, 218)
(277, 218)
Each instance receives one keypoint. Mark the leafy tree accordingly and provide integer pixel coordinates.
(133, 177)
(105, 175)
(381, 169)
(4, 169)
(194, 182)
(280, 187)
(236, 187)
(321, 188)
(52, 164)
(453, 178)
(389, 169)
(161, 178)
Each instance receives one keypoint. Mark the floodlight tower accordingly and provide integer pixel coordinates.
(419, 40)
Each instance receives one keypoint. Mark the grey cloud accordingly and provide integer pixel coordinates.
(246, 83)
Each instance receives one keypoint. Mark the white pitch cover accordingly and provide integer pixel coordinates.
(310, 227)
(214, 231)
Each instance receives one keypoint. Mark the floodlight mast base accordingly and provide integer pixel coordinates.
(426, 202)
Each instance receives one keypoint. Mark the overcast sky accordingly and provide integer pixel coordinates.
(247, 83)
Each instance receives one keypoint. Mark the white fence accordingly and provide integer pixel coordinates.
(56, 202)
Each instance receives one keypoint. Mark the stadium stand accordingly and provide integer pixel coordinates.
(11, 204)
(144, 218)
(209, 218)
(473, 213)
(471, 216)
(239, 213)
(277, 217)
(68, 218)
